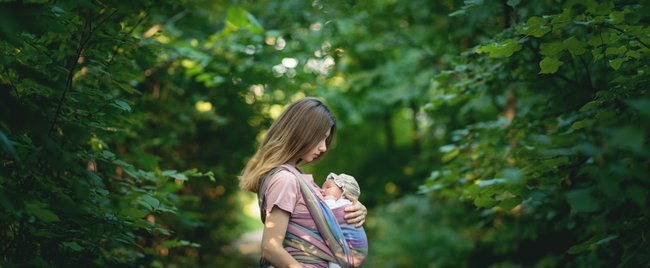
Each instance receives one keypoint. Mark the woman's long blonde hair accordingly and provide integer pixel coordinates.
(297, 131)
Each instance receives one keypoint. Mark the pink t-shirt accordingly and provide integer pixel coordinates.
(283, 191)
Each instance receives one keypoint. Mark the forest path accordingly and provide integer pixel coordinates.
(249, 243)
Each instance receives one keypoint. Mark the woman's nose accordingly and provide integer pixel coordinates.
(323, 147)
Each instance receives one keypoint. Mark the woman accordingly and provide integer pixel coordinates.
(301, 134)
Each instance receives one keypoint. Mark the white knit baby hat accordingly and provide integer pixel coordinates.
(347, 183)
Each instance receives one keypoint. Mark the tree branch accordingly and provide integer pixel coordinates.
(623, 31)
(86, 34)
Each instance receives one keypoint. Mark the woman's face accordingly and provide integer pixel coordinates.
(330, 188)
(315, 152)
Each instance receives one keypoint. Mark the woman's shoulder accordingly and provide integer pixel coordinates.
(283, 177)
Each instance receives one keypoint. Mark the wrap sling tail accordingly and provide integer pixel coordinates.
(326, 243)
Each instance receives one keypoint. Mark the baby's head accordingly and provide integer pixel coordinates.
(340, 185)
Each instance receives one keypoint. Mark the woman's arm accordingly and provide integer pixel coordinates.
(355, 213)
(275, 229)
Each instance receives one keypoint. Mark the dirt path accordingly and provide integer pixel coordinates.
(249, 244)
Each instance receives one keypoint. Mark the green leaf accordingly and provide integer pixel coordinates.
(549, 65)
(7, 146)
(133, 213)
(57, 11)
(237, 18)
(551, 49)
(108, 155)
(174, 243)
(459, 12)
(195, 173)
(616, 63)
(73, 246)
(94, 179)
(575, 46)
(536, 27)
(616, 50)
(150, 201)
(503, 49)
(562, 20)
(637, 194)
(449, 153)
(122, 105)
(513, 3)
(37, 262)
(603, 8)
(169, 173)
(629, 137)
(617, 17)
(485, 201)
(581, 201)
(509, 176)
(210, 79)
(174, 174)
(40, 210)
(636, 54)
(642, 105)
(591, 244)
(491, 182)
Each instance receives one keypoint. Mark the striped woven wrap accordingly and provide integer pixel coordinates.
(326, 242)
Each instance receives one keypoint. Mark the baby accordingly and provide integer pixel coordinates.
(334, 190)
(336, 187)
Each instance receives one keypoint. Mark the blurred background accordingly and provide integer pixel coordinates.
(483, 133)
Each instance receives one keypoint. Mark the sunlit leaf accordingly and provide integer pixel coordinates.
(237, 18)
(501, 49)
(549, 65)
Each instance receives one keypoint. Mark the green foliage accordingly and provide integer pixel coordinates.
(577, 139)
(102, 105)
(430, 241)
(520, 123)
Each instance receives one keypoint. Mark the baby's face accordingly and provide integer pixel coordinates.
(330, 188)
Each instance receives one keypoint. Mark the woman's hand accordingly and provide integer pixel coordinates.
(355, 213)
